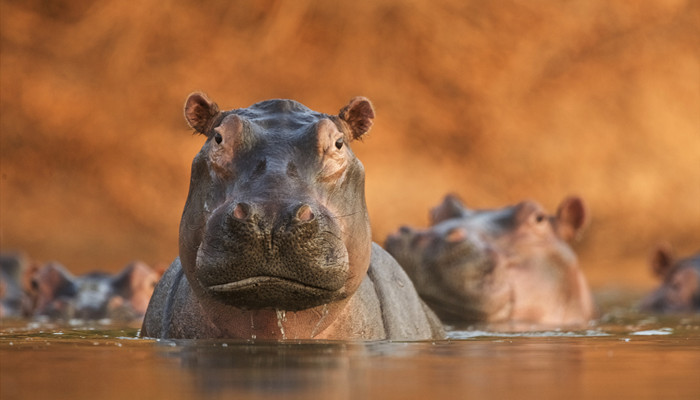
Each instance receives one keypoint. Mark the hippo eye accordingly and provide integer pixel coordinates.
(339, 144)
(218, 138)
(540, 218)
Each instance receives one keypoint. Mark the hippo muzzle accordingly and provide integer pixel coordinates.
(256, 255)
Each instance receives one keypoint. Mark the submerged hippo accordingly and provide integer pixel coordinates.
(275, 239)
(510, 265)
(12, 298)
(55, 293)
(679, 291)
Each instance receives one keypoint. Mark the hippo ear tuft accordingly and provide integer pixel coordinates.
(200, 112)
(358, 114)
(451, 207)
(662, 260)
(571, 218)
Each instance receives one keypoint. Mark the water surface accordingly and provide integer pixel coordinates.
(623, 355)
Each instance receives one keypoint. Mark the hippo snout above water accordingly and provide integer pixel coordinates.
(290, 247)
(275, 239)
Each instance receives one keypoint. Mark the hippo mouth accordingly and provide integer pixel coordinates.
(259, 281)
(274, 292)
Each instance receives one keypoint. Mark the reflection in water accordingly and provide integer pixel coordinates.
(271, 367)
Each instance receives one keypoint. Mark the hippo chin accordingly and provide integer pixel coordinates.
(679, 290)
(275, 239)
(509, 267)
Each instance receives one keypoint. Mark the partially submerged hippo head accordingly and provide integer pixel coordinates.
(55, 293)
(505, 265)
(12, 298)
(679, 291)
(276, 215)
(275, 239)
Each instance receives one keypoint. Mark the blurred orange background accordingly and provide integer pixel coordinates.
(496, 101)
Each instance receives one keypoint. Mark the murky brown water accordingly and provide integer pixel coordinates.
(621, 356)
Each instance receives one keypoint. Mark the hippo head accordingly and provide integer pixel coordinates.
(457, 272)
(57, 294)
(679, 291)
(509, 264)
(276, 215)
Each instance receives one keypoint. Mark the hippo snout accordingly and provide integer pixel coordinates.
(261, 255)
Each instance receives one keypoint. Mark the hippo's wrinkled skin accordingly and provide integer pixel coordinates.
(275, 240)
(679, 291)
(511, 265)
(57, 294)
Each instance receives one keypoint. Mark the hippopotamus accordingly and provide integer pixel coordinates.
(275, 238)
(679, 291)
(511, 267)
(57, 294)
(12, 298)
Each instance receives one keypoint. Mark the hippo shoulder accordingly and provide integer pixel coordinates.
(405, 315)
(173, 311)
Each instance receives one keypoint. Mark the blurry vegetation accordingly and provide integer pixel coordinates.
(496, 101)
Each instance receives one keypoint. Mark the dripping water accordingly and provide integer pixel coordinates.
(324, 312)
(252, 327)
(281, 317)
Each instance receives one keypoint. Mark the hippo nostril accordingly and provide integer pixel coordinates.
(405, 229)
(304, 213)
(242, 211)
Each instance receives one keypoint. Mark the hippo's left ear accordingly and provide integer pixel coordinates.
(451, 207)
(200, 112)
(571, 218)
(358, 114)
(662, 260)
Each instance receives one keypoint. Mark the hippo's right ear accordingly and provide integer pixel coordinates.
(200, 112)
(451, 207)
(132, 276)
(358, 114)
(662, 260)
(571, 218)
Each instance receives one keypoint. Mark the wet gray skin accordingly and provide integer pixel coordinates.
(275, 239)
(505, 265)
(56, 294)
(679, 291)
